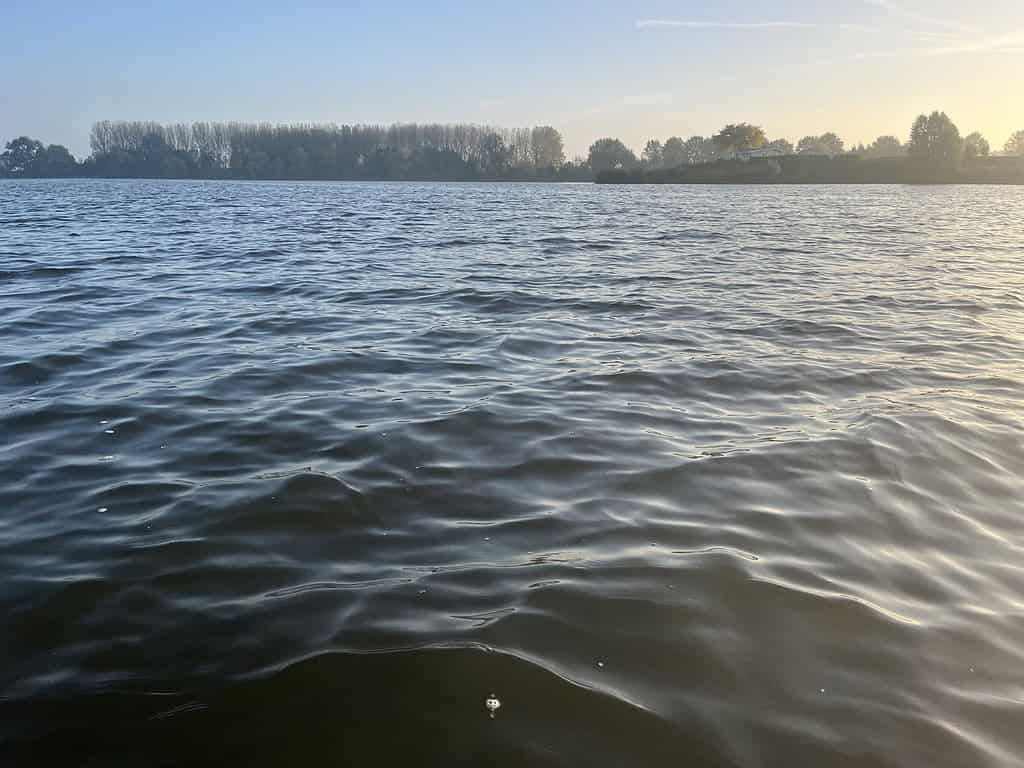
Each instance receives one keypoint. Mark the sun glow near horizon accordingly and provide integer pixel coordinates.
(877, 75)
(659, 69)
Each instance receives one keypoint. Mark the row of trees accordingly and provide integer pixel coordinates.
(438, 151)
(242, 150)
(28, 157)
(934, 138)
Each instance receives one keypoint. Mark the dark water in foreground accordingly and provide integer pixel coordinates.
(298, 474)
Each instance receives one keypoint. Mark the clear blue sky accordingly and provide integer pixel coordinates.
(633, 70)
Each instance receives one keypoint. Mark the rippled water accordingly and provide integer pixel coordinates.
(301, 473)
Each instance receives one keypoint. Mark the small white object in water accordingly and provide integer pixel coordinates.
(600, 664)
(110, 431)
(822, 690)
(493, 704)
(102, 509)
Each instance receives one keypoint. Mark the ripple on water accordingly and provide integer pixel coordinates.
(722, 476)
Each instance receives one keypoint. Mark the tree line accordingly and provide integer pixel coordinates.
(934, 139)
(305, 151)
(444, 151)
(934, 152)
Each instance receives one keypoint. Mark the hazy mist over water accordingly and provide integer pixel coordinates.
(296, 473)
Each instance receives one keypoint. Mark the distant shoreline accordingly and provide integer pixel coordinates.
(842, 169)
(245, 179)
(609, 178)
(463, 152)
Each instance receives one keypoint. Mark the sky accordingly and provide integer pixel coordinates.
(635, 71)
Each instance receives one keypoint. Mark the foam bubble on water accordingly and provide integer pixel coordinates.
(492, 704)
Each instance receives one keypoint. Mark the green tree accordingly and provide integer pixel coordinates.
(935, 141)
(653, 154)
(56, 160)
(975, 146)
(885, 146)
(697, 149)
(832, 143)
(608, 154)
(495, 157)
(1015, 144)
(826, 144)
(22, 156)
(673, 153)
(737, 137)
(546, 147)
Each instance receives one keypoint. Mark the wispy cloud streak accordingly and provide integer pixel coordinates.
(724, 24)
(754, 25)
(1003, 44)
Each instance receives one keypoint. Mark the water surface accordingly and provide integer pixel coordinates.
(301, 473)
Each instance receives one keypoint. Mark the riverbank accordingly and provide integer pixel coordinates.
(842, 169)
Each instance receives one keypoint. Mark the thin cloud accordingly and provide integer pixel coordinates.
(757, 25)
(939, 36)
(1003, 44)
(724, 24)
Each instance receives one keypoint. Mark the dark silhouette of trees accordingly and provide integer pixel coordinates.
(935, 141)
(700, 150)
(57, 161)
(607, 154)
(975, 146)
(826, 144)
(653, 154)
(884, 146)
(1015, 144)
(673, 153)
(21, 155)
(413, 151)
(25, 156)
(695, 149)
(546, 149)
(737, 137)
(495, 156)
(933, 155)
(303, 151)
